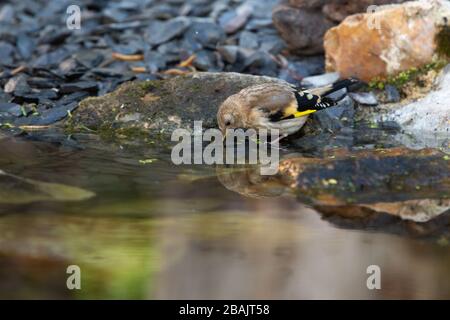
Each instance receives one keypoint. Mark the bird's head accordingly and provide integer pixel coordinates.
(231, 114)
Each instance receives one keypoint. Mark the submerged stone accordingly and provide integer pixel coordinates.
(18, 190)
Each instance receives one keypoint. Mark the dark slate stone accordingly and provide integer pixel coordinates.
(49, 116)
(68, 66)
(52, 58)
(207, 34)
(90, 86)
(190, 45)
(205, 60)
(335, 118)
(11, 108)
(171, 50)
(89, 58)
(42, 83)
(154, 61)
(55, 37)
(106, 72)
(73, 97)
(35, 97)
(229, 53)
(271, 43)
(392, 94)
(159, 32)
(248, 40)
(25, 45)
(261, 63)
(4, 97)
(257, 24)
(390, 126)
(233, 20)
(163, 11)
(6, 53)
(7, 13)
(17, 84)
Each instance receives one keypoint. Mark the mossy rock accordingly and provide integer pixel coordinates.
(141, 107)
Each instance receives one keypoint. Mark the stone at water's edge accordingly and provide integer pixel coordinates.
(369, 176)
(394, 38)
(391, 190)
(163, 104)
(429, 115)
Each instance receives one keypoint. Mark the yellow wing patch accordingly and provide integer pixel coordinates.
(303, 113)
(291, 109)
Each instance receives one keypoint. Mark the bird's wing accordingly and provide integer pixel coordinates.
(269, 99)
(301, 104)
(280, 102)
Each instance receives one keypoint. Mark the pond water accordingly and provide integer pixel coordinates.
(158, 231)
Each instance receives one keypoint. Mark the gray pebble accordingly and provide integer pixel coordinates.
(207, 34)
(320, 80)
(205, 60)
(159, 32)
(229, 53)
(248, 40)
(232, 21)
(392, 94)
(364, 98)
(17, 84)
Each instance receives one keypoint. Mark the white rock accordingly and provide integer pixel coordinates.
(366, 98)
(320, 80)
(427, 119)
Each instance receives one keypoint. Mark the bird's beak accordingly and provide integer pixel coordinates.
(224, 136)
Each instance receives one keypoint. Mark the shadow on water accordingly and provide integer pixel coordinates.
(140, 227)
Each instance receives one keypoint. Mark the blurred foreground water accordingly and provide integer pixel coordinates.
(154, 230)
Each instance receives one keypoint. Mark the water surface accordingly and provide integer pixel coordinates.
(154, 230)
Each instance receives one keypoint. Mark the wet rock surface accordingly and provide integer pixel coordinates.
(395, 174)
(159, 106)
(394, 190)
(151, 106)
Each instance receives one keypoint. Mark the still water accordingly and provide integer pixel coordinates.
(158, 231)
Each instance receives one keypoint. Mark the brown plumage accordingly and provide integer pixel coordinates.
(275, 106)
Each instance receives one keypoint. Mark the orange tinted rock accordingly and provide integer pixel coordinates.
(393, 39)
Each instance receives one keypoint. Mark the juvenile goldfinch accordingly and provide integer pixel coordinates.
(275, 106)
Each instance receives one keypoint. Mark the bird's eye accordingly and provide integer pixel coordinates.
(227, 123)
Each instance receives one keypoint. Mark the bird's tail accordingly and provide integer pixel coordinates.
(338, 85)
